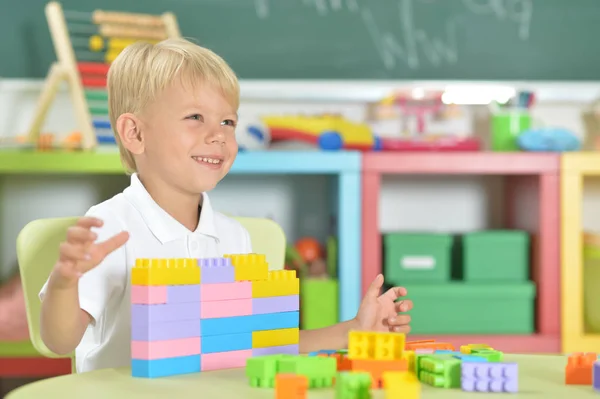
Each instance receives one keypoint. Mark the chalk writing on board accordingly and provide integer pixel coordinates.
(410, 43)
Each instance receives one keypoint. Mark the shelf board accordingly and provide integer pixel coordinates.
(584, 163)
(30, 367)
(108, 162)
(475, 163)
(517, 344)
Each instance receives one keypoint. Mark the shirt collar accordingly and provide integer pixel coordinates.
(162, 225)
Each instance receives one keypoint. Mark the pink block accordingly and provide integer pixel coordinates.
(425, 350)
(148, 295)
(230, 308)
(148, 350)
(226, 291)
(224, 360)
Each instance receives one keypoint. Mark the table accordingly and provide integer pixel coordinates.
(539, 377)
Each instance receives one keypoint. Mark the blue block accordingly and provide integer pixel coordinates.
(247, 324)
(447, 352)
(165, 367)
(226, 343)
(470, 358)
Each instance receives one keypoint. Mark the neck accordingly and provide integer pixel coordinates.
(182, 206)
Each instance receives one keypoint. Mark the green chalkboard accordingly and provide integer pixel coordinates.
(352, 39)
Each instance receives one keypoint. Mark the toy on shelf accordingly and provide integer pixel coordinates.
(85, 45)
(404, 122)
(327, 132)
(191, 315)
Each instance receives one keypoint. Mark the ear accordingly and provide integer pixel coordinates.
(130, 132)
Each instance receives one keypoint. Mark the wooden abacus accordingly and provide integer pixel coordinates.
(86, 43)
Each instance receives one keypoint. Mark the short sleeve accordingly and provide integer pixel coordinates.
(108, 279)
(247, 241)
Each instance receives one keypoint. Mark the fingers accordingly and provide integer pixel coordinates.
(395, 293)
(80, 234)
(404, 306)
(88, 222)
(399, 323)
(375, 287)
(70, 252)
(112, 244)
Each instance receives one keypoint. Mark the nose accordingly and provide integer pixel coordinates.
(216, 136)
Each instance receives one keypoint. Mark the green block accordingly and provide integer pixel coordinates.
(440, 372)
(498, 256)
(468, 308)
(319, 370)
(318, 303)
(488, 354)
(261, 370)
(353, 385)
(418, 257)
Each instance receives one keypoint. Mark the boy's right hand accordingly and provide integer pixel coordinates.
(80, 253)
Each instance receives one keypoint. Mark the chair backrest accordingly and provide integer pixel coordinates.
(37, 251)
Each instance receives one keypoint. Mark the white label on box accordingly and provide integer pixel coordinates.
(417, 262)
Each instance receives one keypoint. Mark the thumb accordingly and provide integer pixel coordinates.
(375, 287)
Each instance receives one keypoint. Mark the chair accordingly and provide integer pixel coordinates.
(37, 251)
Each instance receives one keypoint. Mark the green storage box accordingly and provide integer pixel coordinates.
(591, 282)
(417, 257)
(318, 303)
(496, 256)
(469, 308)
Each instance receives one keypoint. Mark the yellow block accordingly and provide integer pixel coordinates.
(401, 384)
(285, 336)
(467, 349)
(410, 360)
(375, 345)
(278, 283)
(165, 272)
(249, 267)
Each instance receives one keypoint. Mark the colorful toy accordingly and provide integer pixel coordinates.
(579, 368)
(490, 377)
(328, 132)
(192, 315)
(85, 45)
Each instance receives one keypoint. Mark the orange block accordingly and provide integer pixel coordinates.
(342, 360)
(290, 386)
(579, 369)
(428, 344)
(376, 368)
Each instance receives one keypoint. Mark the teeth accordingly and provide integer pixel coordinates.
(208, 160)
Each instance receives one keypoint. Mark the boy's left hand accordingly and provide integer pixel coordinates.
(380, 312)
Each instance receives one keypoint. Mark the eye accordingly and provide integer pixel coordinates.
(229, 122)
(196, 117)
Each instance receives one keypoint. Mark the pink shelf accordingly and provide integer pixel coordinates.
(504, 343)
(521, 171)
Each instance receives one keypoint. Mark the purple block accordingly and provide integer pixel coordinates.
(183, 293)
(489, 377)
(165, 331)
(216, 270)
(276, 350)
(149, 314)
(487, 385)
(596, 374)
(276, 304)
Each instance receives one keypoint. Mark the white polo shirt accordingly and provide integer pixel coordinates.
(104, 292)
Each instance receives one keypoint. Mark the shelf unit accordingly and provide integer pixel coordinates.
(343, 166)
(575, 168)
(541, 170)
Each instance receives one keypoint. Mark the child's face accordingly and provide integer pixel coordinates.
(189, 137)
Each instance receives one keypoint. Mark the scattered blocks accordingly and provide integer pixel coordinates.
(290, 386)
(440, 372)
(490, 377)
(579, 369)
(596, 376)
(318, 370)
(192, 315)
(401, 384)
(353, 385)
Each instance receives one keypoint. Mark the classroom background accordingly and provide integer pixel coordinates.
(451, 145)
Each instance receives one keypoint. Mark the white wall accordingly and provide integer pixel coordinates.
(299, 204)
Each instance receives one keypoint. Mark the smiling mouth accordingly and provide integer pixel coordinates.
(208, 160)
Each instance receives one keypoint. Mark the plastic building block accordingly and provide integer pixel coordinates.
(278, 283)
(165, 367)
(150, 314)
(375, 345)
(401, 384)
(255, 322)
(229, 308)
(165, 272)
(226, 342)
(320, 371)
(150, 350)
(353, 385)
(290, 386)
(429, 345)
(596, 376)
(469, 358)
(249, 267)
(490, 377)
(410, 358)
(376, 368)
(183, 293)
(148, 294)
(440, 372)
(579, 369)
(286, 336)
(165, 331)
(216, 270)
(224, 360)
(276, 304)
(226, 291)
(276, 350)
(489, 354)
(425, 350)
(261, 370)
(466, 349)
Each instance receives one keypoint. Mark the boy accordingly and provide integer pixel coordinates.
(174, 107)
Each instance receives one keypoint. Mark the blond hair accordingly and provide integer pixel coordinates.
(142, 71)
